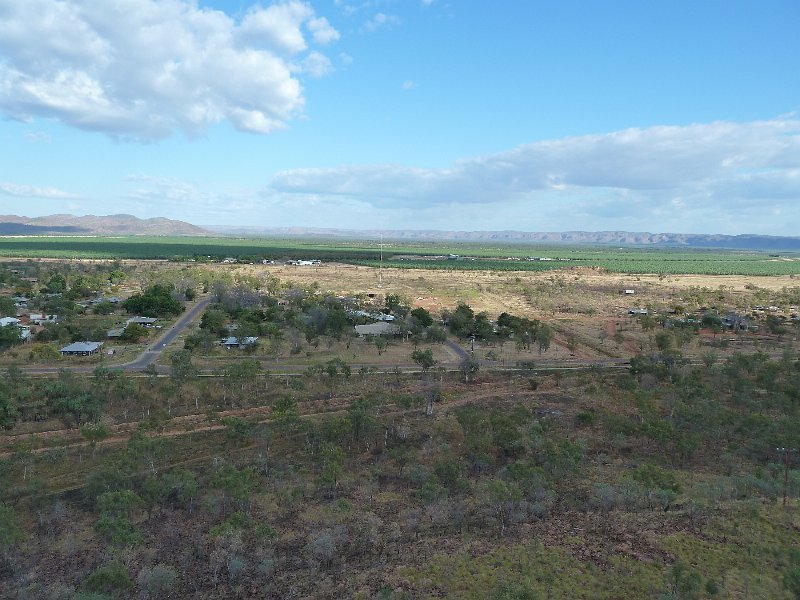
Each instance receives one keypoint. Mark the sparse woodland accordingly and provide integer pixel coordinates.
(224, 475)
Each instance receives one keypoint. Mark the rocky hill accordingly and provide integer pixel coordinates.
(95, 225)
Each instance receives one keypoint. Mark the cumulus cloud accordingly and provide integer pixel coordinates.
(31, 191)
(144, 68)
(716, 176)
(277, 26)
(322, 31)
(380, 20)
(696, 161)
(315, 64)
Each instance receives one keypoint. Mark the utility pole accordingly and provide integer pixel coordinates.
(786, 454)
(380, 266)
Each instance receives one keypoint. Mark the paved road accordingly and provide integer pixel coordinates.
(148, 356)
(458, 350)
(152, 353)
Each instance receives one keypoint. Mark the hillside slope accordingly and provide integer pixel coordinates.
(95, 225)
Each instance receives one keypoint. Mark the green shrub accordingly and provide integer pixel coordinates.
(586, 419)
(110, 579)
(118, 530)
(156, 580)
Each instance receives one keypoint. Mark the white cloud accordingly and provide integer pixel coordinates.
(277, 26)
(380, 20)
(705, 169)
(30, 191)
(316, 65)
(409, 85)
(322, 31)
(144, 68)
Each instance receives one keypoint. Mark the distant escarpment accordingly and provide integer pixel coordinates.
(611, 238)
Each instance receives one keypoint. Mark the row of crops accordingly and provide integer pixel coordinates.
(415, 256)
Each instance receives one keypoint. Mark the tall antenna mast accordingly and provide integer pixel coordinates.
(380, 267)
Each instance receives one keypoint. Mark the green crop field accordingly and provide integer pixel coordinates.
(410, 255)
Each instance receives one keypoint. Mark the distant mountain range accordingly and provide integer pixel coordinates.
(130, 225)
(95, 225)
(610, 238)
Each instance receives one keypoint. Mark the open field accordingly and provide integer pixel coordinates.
(410, 255)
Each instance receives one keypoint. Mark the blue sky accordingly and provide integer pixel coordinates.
(405, 114)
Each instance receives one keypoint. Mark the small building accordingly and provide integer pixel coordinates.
(42, 319)
(628, 292)
(6, 321)
(115, 333)
(143, 321)
(380, 328)
(81, 349)
(637, 311)
(100, 300)
(234, 342)
(305, 263)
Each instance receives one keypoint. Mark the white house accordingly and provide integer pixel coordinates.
(42, 319)
(305, 263)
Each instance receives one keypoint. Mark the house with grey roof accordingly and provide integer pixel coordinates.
(81, 349)
(144, 321)
(234, 342)
(379, 328)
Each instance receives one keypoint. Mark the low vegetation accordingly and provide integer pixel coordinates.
(470, 453)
